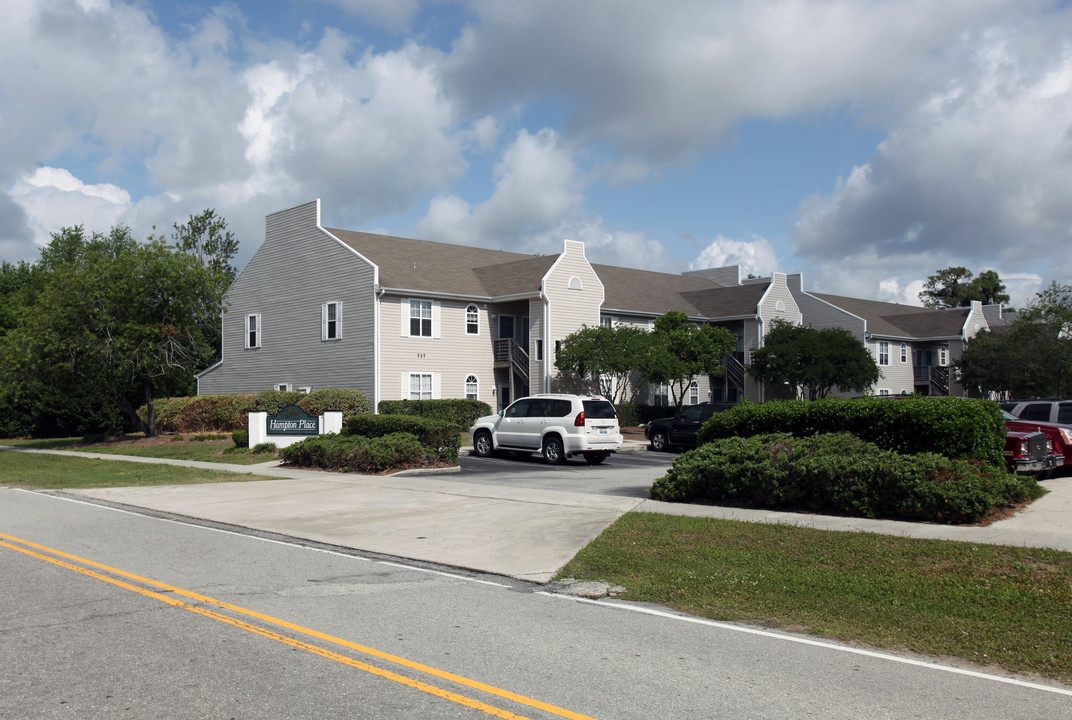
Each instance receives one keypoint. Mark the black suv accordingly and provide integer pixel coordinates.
(680, 430)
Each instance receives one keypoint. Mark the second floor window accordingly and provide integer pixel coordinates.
(883, 353)
(472, 320)
(420, 318)
(904, 352)
(331, 321)
(943, 355)
(253, 331)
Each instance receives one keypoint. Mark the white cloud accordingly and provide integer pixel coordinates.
(977, 176)
(53, 198)
(755, 256)
(660, 82)
(537, 187)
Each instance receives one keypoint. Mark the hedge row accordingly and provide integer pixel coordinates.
(351, 453)
(221, 413)
(839, 473)
(953, 427)
(462, 413)
(442, 438)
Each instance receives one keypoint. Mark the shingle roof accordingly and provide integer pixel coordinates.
(429, 266)
(897, 320)
(650, 292)
(426, 266)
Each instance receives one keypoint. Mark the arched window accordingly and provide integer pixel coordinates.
(472, 320)
(575, 283)
(779, 306)
(472, 388)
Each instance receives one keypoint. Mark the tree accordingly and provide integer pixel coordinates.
(126, 320)
(1032, 357)
(207, 238)
(608, 356)
(955, 287)
(816, 360)
(683, 351)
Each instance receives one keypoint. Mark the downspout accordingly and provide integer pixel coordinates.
(762, 385)
(376, 295)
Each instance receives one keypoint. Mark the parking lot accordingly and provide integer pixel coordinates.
(624, 474)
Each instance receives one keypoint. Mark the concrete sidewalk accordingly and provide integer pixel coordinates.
(522, 533)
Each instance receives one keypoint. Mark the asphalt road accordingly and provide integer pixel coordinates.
(143, 616)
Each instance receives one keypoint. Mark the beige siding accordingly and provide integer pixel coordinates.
(778, 302)
(275, 284)
(450, 357)
(574, 295)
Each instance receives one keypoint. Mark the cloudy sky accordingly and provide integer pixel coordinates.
(866, 143)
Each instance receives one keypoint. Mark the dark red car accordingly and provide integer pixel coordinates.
(1059, 438)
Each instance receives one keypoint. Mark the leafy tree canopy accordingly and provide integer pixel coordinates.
(607, 356)
(1032, 357)
(122, 320)
(683, 351)
(815, 360)
(956, 287)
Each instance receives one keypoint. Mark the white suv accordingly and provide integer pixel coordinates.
(556, 425)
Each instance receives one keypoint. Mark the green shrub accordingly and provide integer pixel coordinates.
(264, 447)
(356, 453)
(441, 437)
(462, 413)
(954, 427)
(240, 438)
(841, 474)
(223, 413)
(349, 402)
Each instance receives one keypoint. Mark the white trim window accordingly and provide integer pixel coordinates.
(660, 395)
(883, 392)
(420, 318)
(883, 352)
(253, 330)
(472, 388)
(694, 393)
(420, 386)
(943, 355)
(608, 321)
(331, 321)
(284, 387)
(472, 320)
(904, 353)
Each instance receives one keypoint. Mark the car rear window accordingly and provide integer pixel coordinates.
(598, 410)
(1036, 411)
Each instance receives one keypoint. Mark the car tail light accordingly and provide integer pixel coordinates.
(579, 420)
(1067, 435)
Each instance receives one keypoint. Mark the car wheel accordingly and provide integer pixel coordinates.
(595, 458)
(482, 444)
(553, 451)
(659, 441)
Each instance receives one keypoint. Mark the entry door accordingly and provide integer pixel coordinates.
(506, 326)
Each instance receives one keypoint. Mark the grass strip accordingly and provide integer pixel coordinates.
(174, 449)
(18, 469)
(988, 604)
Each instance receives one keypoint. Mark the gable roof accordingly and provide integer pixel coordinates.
(433, 267)
(645, 291)
(895, 320)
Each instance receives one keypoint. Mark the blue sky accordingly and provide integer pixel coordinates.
(865, 144)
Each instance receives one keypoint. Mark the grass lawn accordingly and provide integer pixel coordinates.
(988, 604)
(210, 448)
(36, 470)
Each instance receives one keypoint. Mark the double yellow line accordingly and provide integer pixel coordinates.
(54, 556)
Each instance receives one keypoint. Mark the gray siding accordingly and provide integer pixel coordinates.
(298, 269)
(818, 314)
